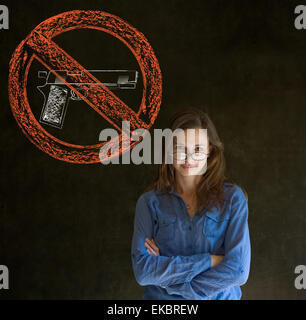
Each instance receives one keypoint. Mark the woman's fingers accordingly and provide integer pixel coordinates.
(155, 245)
(150, 250)
(152, 244)
(153, 241)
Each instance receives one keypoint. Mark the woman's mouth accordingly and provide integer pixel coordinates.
(186, 167)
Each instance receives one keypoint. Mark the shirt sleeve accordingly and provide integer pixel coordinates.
(234, 268)
(160, 270)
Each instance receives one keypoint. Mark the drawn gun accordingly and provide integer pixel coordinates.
(57, 94)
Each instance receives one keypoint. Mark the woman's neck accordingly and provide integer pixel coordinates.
(186, 184)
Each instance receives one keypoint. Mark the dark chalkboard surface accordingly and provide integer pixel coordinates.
(66, 229)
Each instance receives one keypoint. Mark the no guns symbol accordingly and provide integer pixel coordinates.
(39, 45)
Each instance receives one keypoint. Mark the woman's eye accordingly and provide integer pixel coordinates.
(183, 149)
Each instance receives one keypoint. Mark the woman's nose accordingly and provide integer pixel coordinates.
(188, 158)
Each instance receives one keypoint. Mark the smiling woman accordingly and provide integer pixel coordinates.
(191, 237)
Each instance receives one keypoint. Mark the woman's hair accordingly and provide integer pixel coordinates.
(209, 190)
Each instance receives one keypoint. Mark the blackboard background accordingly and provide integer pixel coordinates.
(66, 229)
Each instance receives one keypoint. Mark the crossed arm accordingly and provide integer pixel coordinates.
(152, 248)
(150, 269)
(198, 276)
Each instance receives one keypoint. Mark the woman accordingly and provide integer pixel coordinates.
(191, 237)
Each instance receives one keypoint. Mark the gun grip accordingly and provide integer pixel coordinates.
(54, 110)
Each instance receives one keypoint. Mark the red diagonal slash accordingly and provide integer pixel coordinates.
(99, 97)
(38, 44)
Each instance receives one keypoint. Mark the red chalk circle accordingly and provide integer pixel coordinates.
(39, 45)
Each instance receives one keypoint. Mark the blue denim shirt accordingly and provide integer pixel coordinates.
(185, 244)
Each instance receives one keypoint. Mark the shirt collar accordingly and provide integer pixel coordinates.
(174, 192)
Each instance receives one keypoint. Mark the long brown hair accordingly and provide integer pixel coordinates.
(209, 190)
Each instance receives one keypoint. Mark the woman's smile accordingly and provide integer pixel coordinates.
(188, 166)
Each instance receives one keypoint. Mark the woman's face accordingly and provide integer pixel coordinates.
(194, 142)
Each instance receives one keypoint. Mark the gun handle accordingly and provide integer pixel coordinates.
(55, 106)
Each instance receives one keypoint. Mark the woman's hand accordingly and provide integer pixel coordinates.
(151, 246)
(216, 259)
